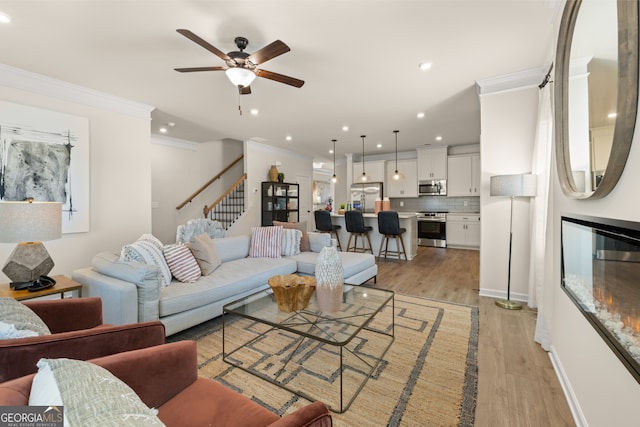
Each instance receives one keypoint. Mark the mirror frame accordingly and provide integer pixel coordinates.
(627, 102)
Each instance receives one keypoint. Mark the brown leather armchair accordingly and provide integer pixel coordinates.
(77, 332)
(166, 377)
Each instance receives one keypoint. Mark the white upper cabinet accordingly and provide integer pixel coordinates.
(408, 185)
(464, 175)
(374, 170)
(432, 163)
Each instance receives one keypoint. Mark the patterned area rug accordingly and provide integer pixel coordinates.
(427, 378)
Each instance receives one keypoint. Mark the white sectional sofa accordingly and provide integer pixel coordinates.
(131, 291)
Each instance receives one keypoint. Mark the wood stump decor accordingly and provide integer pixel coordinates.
(292, 291)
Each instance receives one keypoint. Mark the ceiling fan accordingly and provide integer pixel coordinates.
(242, 67)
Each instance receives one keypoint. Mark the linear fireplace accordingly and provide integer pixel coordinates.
(600, 263)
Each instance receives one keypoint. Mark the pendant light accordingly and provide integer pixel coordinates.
(334, 179)
(397, 176)
(364, 177)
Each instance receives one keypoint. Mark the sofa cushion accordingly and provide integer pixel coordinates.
(231, 248)
(91, 395)
(302, 226)
(205, 253)
(265, 242)
(147, 250)
(209, 403)
(147, 279)
(231, 278)
(182, 263)
(352, 262)
(19, 321)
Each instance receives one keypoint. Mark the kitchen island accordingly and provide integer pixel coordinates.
(407, 220)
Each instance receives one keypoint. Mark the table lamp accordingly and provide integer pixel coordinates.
(512, 186)
(28, 223)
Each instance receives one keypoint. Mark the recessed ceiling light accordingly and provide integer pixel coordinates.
(424, 66)
(171, 124)
(612, 115)
(330, 151)
(379, 146)
(438, 138)
(4, 18)
(420, 115)
(288, 138)
(345, 128)
(163, 130)
(254, 111)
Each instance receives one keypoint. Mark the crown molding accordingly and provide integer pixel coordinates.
(173, 142)
(512, 81)
(43, 85)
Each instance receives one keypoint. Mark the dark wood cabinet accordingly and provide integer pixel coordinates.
(279, 202)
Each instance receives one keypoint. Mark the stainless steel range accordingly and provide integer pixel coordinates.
(432, 229)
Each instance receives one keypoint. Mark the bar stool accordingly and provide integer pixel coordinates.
(389, 226)
(355, 226)
(323, 223)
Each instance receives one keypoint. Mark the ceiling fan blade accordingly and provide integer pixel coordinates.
(246, 90)
(189, 70)
(279, 78)
(205, 44)
(268, 52)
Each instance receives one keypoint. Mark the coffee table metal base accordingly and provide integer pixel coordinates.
(333, 372)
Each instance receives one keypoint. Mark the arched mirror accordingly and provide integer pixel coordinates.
(596, 94)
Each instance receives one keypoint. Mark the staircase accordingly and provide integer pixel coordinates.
(227, 208)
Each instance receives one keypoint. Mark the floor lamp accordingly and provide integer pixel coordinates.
(522, 185)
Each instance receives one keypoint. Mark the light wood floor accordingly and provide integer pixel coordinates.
(517, 385)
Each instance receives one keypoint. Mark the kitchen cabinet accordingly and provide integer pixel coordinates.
(374, 169)
(406, 187)
(464, 175)
(279, 202)
(432, 163)
(463, 231)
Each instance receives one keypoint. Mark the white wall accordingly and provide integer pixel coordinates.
(508, 120)
(178, 169)
(120, 169)
(258, 159)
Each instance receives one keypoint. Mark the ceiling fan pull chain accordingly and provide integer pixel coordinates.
(239, 101)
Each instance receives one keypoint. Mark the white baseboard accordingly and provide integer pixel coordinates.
(574, 405)
(492, 293)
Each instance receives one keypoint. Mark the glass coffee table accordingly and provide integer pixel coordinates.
(315, 355)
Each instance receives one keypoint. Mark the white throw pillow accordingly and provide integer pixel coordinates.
(147, 250)
(91, 395)
(19, 321)
(291, 242)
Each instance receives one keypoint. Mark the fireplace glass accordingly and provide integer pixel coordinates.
(601, 274)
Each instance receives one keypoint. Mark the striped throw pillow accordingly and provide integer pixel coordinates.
(265, 242)
(182, 263)
(291, 242)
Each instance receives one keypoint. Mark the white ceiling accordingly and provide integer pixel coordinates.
(359, 60)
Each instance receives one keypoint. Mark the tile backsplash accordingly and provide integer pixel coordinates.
(437, 203)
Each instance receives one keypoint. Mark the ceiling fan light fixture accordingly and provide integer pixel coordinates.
(240, 76)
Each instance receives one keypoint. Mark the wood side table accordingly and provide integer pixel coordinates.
(63, 284)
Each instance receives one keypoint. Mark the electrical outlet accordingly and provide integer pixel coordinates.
(466, 203)
(401, 204)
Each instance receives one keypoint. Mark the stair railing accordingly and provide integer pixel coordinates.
(229, 206)
(211, 181)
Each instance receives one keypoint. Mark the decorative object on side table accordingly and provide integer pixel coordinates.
(273, 173)
(329, 280)
(28, 223)
(292, 291)
(280, 177)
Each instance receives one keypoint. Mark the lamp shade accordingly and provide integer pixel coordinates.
(520, 185)
(30, 221)
(240, 76)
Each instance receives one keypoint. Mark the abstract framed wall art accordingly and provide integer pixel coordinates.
(45, 155)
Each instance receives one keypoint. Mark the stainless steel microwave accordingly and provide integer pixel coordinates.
(432, 188)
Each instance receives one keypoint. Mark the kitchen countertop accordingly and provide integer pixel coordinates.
(401, 215)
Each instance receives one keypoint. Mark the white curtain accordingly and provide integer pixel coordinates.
(539, 212)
